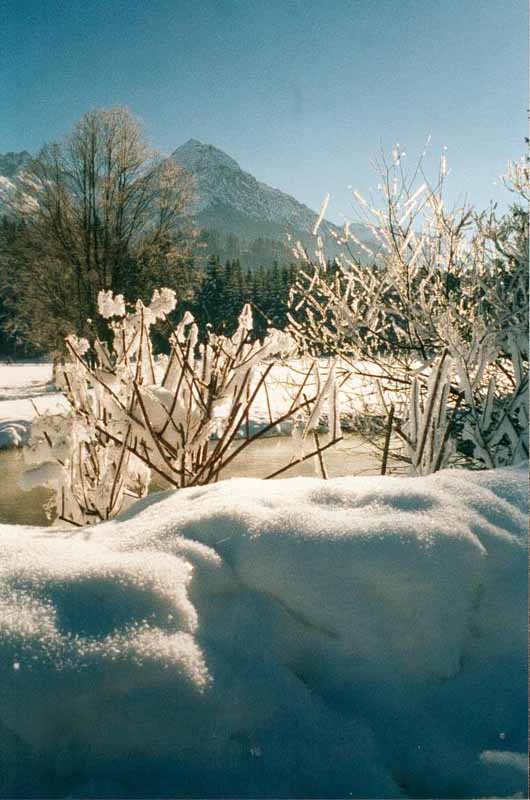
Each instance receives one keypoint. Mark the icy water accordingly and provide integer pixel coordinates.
(15, 504)
(351, 456)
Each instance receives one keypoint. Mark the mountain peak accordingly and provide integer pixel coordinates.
(195, 156)
(228, 197)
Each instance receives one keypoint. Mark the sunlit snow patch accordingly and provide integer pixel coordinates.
(299, 638)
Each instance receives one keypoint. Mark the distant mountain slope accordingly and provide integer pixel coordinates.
(229, 195)
(230, 200)
(11, 165)
(227, 200)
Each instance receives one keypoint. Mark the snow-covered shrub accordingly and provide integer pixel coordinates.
(439, 317)
(180, 418)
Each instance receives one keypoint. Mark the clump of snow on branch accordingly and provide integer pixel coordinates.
(110, 305)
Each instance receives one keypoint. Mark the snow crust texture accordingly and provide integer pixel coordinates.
(359, 637)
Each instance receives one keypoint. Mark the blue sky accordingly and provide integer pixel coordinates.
(302, 94)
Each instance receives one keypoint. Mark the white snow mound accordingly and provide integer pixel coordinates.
(359, 637)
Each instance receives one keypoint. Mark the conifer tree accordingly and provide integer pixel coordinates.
(210, 297)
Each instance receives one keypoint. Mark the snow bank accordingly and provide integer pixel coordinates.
(360, 637)
(14, 433)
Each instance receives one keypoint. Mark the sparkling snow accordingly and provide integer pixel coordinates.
(358, 637)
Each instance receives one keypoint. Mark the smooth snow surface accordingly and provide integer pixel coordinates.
(360, 637)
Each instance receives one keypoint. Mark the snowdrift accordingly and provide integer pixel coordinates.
(360, 637)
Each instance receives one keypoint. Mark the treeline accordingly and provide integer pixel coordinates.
(250, 252)
(225, 288)
(38, 304)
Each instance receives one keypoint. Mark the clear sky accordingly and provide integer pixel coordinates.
(301, 93)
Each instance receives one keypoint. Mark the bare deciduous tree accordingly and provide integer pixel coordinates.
(92, 204)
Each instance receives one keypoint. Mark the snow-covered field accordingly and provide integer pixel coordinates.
(359, 637)
(24, 387)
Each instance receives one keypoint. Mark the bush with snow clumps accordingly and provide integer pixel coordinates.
(176, 417)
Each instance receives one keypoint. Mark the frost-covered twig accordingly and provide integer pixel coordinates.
(440, 311)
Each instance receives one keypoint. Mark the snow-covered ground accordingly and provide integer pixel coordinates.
(24, 387)
(359, 637)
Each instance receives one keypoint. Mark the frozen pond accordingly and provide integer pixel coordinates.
(351, 456)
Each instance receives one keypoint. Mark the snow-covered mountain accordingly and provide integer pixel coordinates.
(231, 200)
(225, 192)
(11, 164)
(7, 186)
